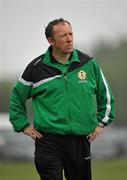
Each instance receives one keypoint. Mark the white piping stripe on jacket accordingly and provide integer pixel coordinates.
(44, 81)
(108, 105)
(27, 83)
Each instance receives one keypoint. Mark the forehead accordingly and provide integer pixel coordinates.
(62, 27)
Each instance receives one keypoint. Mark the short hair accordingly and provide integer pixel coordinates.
(49, 28)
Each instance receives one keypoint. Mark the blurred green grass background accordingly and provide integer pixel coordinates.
(102, 170)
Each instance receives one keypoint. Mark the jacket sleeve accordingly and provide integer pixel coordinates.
(105, 98)
(17, 106)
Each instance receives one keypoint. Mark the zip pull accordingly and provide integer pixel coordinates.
(65, 77)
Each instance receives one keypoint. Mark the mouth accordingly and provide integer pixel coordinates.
(69, 46)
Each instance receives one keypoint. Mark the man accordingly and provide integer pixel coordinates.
(63, 84)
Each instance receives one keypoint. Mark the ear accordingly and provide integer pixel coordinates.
(51, 41)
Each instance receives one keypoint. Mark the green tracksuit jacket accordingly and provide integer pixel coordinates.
(64, 102)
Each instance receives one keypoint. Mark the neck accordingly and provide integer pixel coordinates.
(61, 57)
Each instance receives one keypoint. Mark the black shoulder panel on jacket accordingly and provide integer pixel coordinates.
(27, 74)
(37, 70)
(43, 71)
(84, 58)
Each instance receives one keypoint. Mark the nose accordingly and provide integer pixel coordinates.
(69, 38)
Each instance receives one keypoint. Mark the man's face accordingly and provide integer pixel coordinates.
(62, 40)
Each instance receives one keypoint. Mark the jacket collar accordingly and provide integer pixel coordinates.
(49, 58)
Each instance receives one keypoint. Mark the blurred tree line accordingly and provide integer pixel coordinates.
(113, 61)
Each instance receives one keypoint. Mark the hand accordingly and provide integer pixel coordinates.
(98, 130)
(30, 131)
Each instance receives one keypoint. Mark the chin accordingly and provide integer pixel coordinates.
(69, 51)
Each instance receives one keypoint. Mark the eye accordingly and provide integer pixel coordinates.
(71, 34)
(63, 35)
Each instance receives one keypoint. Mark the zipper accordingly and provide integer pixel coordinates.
(65, 77)
(67, 99)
